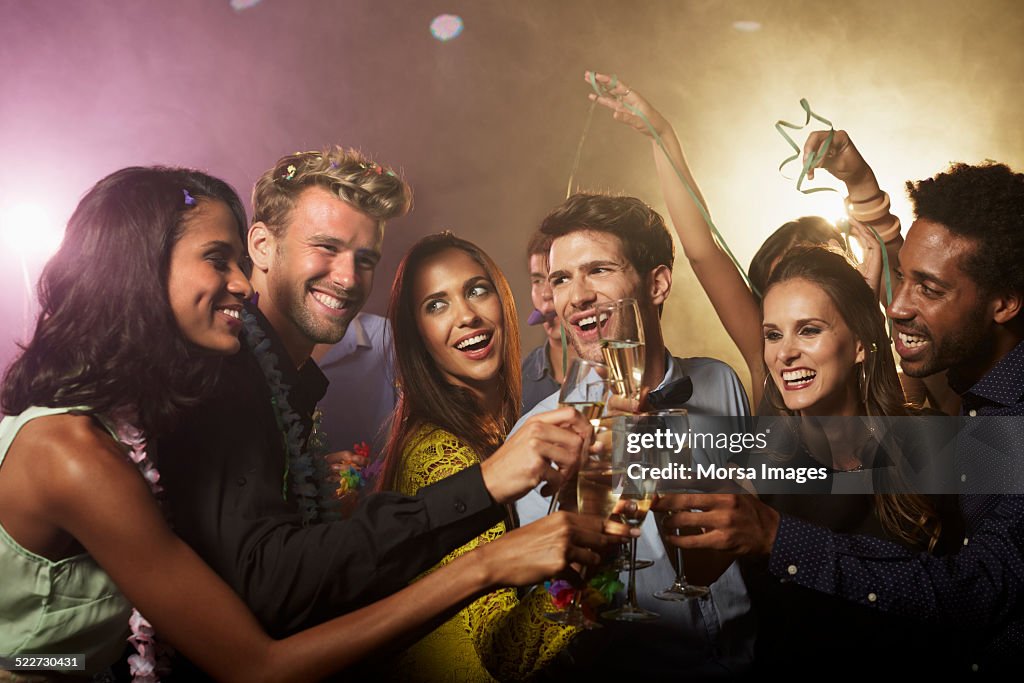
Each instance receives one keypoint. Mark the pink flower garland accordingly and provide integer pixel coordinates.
(152, 658)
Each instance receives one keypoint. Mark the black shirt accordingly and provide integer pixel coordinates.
(223, 471)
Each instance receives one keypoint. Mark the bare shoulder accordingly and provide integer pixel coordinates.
(70, 451)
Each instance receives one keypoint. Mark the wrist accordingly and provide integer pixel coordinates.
(862, 186)
(484, 572)
(492, 482)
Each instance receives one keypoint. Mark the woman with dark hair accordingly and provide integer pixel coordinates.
(826, 356)
(139, 304)
(735, 303)
(457, 351)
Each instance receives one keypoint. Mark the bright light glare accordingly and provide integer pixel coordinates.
(30, 231)
(856, 249)
(747, 26)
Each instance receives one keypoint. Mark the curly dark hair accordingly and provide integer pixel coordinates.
(984, 204)
(646, 240)
(106, 337)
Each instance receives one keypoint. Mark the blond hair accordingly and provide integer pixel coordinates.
(356, 180)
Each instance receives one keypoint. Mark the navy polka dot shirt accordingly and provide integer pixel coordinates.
(978, 591)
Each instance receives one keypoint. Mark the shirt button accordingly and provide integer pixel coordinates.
(791, 569)
(872, 597)
(965, 540)
(972, 413)
(974, 667)
(460, 507)
(241, 481)
(963, 477)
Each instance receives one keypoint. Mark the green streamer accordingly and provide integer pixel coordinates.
(813, 159)
(693, 195)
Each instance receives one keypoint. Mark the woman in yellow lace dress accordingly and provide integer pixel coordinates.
(457, 348)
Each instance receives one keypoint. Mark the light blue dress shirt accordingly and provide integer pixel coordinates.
(361, 395)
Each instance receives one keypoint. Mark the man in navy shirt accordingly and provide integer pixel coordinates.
(956, 308)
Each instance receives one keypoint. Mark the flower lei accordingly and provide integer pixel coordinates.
(152, 659)
(599, 591)
(300, 466)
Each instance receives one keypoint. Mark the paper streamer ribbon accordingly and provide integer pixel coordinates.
(693, 195)
(813, 159)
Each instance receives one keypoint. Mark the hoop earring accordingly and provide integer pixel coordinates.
(767, 396)
(863, 383)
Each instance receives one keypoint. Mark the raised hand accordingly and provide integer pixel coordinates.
(557, 437)
(614, 99)
(842, 159)
(870, 266)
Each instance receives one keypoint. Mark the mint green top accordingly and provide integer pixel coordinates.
(66, 607)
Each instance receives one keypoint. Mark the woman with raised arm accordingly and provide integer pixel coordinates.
(139, 304)
(736, 305)
(826, 357)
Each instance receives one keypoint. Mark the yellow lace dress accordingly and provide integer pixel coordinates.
(495, 637)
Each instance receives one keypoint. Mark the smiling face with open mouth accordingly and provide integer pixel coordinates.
(810, 351)
(940, 317)
(318, 270)
(205, 282)
(459, 315)
(587, 268)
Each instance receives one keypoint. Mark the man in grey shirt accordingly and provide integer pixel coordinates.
(543, 369)
(605, 248)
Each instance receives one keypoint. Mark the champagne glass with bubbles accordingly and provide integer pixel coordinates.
(620, 330)
(633, 462)
(677, 421)
(596, 494)
(586, 389)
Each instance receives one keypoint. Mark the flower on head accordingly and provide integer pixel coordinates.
(291, 172)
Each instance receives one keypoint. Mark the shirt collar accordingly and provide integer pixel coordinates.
(673, 371)
(356, 337)
(1004, 383)
(538, 364)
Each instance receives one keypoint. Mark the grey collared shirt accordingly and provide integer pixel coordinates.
(721, 624)
(538, 378)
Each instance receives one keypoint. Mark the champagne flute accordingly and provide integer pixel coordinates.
(585, 389)
(621, 333)
(595, 495)
(676, 420)
(632, 465)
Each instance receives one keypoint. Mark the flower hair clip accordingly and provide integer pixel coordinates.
(189, 199)
(291, 172)
(377, 168)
